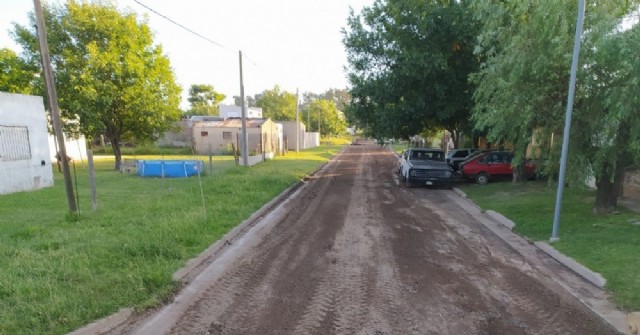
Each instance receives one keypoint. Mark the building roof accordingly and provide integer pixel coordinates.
(232, 123)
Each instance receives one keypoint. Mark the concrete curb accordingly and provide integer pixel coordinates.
(576, 267)
(598, 302)
(232, 235)
(106, 324)
(501, 219)
(459, 192)
(592, 276)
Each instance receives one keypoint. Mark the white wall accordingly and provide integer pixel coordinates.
(76, 148)
(33, 170)
(289, 131)
(227, 111)
(311, 140)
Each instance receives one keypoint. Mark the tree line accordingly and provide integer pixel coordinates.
(113, 80)
(323, 113)
(500, 69)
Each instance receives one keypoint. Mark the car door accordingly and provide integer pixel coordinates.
(501, 164)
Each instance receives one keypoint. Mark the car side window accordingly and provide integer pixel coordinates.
(461, 153)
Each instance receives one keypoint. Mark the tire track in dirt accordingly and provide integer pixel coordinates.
(357, 254)
(231, 304)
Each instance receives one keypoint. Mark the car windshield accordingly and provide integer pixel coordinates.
(427, 155)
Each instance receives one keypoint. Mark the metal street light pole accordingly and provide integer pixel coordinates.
(567, 122)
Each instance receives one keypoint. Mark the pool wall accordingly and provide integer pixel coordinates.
(170, 168)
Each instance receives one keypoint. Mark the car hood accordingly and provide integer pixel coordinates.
(433, 165)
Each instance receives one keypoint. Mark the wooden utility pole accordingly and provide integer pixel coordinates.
(297, 122)
(245, 141)
(53, 104)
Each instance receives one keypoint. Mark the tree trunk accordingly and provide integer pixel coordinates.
(519, 176)
(115, 145)
(476, 141)
(606, 197)
(608, 189)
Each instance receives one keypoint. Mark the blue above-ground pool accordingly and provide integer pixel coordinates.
(170, 168)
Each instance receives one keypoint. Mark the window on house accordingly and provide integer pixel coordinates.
(226, 135)
(14, 143)
(204, 133)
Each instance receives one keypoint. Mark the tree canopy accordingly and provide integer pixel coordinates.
(324, 117)
(409, 63)
(16, 75)
(522, 87)
(277, 104)
(109, 74)
(204, 100)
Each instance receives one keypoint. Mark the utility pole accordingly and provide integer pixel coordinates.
(245, 141)
(297, 122)
(53, 105)
(567, 121)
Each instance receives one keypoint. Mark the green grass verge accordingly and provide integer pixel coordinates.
(606, 243)
(59, 274)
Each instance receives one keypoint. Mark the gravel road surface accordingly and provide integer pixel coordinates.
(354, 252)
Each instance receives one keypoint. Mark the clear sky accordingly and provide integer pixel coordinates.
(290, 43)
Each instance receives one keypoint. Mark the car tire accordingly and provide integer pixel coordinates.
(482, 178)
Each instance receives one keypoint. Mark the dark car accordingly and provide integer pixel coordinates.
(487, 165)
(457, 156)
(425, 166)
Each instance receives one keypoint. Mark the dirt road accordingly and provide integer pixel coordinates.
(355, 253)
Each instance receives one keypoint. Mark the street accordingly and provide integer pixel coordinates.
(354, 252)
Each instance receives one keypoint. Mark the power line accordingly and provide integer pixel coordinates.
(182, 26)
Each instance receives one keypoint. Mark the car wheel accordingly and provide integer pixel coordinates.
(482, 178)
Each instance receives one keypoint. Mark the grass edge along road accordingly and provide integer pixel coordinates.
(606, 243)
(59, 274)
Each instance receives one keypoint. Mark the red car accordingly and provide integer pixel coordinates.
(492, 164)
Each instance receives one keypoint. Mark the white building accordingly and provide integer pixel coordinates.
(25, 162)
(228, 111)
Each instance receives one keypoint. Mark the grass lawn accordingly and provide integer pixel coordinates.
(59, 274)
(606, 243)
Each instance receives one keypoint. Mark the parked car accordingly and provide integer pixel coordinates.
(425, 166)
(457, 156)
(487, 165)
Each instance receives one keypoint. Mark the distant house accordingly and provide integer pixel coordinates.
(264, 136)
(25, 161)
(180, 136)
(229, 111)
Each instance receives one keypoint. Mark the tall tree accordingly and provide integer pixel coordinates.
(522, 87)
(204, 100)
(277, 104)
(16, 75)
(109, 74)
(324, 117)
(409, 63)
(522, 83)
(607, 135)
